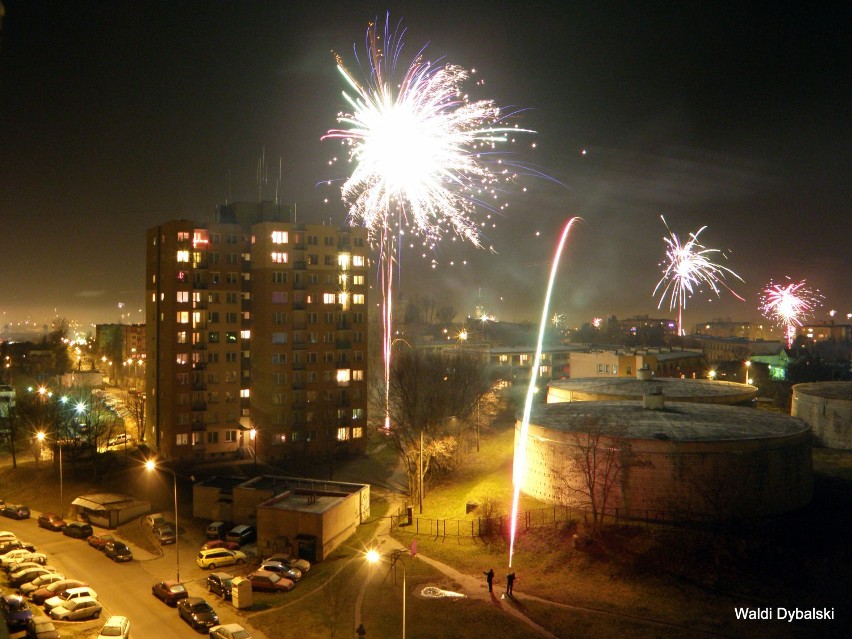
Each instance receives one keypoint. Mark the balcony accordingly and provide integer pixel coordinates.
(199, 406)
(298, 366)
(300, 286)
(343, 344)
(199, 366)
(300, 265)
(300, 344)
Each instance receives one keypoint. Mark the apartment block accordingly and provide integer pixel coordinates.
(256, 336)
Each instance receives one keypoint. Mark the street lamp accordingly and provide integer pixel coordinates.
(747, 365)
(373, 556)
(151, 466)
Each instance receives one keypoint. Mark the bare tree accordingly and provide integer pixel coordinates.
(427, 388)
(333, 608)
(600, 454)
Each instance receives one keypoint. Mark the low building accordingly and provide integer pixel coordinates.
(663, 362)
(305, 517)
(827, 408)
(109, 510)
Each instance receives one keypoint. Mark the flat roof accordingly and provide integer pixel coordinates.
(832, 390)
(671, 387)
(677, 421)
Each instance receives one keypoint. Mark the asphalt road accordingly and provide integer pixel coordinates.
(123, 588)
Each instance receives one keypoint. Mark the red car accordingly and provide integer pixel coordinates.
(99, 540)
(219, 543)
(170, 592)
(266, 581)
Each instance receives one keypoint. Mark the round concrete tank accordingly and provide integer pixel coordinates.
(686, 460)
(827, 408)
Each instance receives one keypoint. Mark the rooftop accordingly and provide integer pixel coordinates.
(678, 421)
(832, 390)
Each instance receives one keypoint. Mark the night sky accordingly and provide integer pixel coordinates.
(116, 116)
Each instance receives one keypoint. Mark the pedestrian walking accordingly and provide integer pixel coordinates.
(489, 578)
(510, 582)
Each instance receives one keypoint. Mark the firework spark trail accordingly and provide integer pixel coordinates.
(519, 466)
(789, 305)
(687, 267)
(422, 155)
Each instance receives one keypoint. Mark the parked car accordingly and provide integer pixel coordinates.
(229, 631)
(119, 440)
(197, 613)
(266, 581)
(242, 534)
(51, 521)
(75, 609)
(116, 626)
(155, 520)
(99, 540)
(170, 592)
(15, 611)
(22, 554)
(293, 574)
(219, 557)
(218, 529)
(118, 551)
(15, 511)
(219, 543)
(41, 628)
(41, 582)
(69, 595)
(165, 535)
(219, 583)
(27, 574)
(43, 594)
(14, 544)
(78, 530)
(288, 560)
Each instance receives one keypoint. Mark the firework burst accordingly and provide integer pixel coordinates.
(687, 267)
(423, 155)
(789, 305)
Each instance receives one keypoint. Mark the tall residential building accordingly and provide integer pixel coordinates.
(256, 336)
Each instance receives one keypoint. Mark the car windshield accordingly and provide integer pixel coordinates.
(177, 588)
(240, 634)
(111, 631)
(202, 607)
(16, 605)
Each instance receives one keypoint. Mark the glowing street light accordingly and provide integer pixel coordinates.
(747, 367)
(373, 556)
(151, 466)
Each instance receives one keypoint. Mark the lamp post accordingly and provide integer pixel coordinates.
(373, 556)
(747, 367)
(253, 438)
(151, 466)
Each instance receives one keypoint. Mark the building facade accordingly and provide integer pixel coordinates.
(663, 362)
(256, 335)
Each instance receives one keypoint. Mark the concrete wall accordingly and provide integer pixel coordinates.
(829, 415)
(686, 479)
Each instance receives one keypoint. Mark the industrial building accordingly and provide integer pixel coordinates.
(827, 408)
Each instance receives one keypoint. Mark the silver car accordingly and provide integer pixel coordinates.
(82, 608)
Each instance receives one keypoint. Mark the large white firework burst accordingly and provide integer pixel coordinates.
(687, 268)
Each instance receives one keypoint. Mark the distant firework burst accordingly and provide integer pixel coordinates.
(423, 156)
(688, 267)
(789, 305)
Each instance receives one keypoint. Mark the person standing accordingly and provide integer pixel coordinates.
(510, 582)
(489, 578)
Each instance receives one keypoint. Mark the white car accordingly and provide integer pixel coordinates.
(22, 554)
(116, 626)
(82, 608)
(229, 631)
(69, 595)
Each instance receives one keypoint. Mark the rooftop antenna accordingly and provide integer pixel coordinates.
(278, 183)
(262, 175)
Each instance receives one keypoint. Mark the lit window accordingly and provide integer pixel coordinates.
(245, 334)
(181, 359)
(280, 237)
(357, 375)
(244, 392)
(182, 296)
(182, 439)
(343, 260)
(343, 376)
(328, 298)
(357, 413)
(358, 280)
(357, 432)
(279, 258)
(342, 434)
(183, 317)
(357, 260)
(359, 298)
(183, 256)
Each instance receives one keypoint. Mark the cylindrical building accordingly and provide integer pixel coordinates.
(668, 460)
(827, 408)
(705, 391)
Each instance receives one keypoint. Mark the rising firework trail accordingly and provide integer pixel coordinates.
(423, 156)
(686, 268)
(520, 460)
(789, 305)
